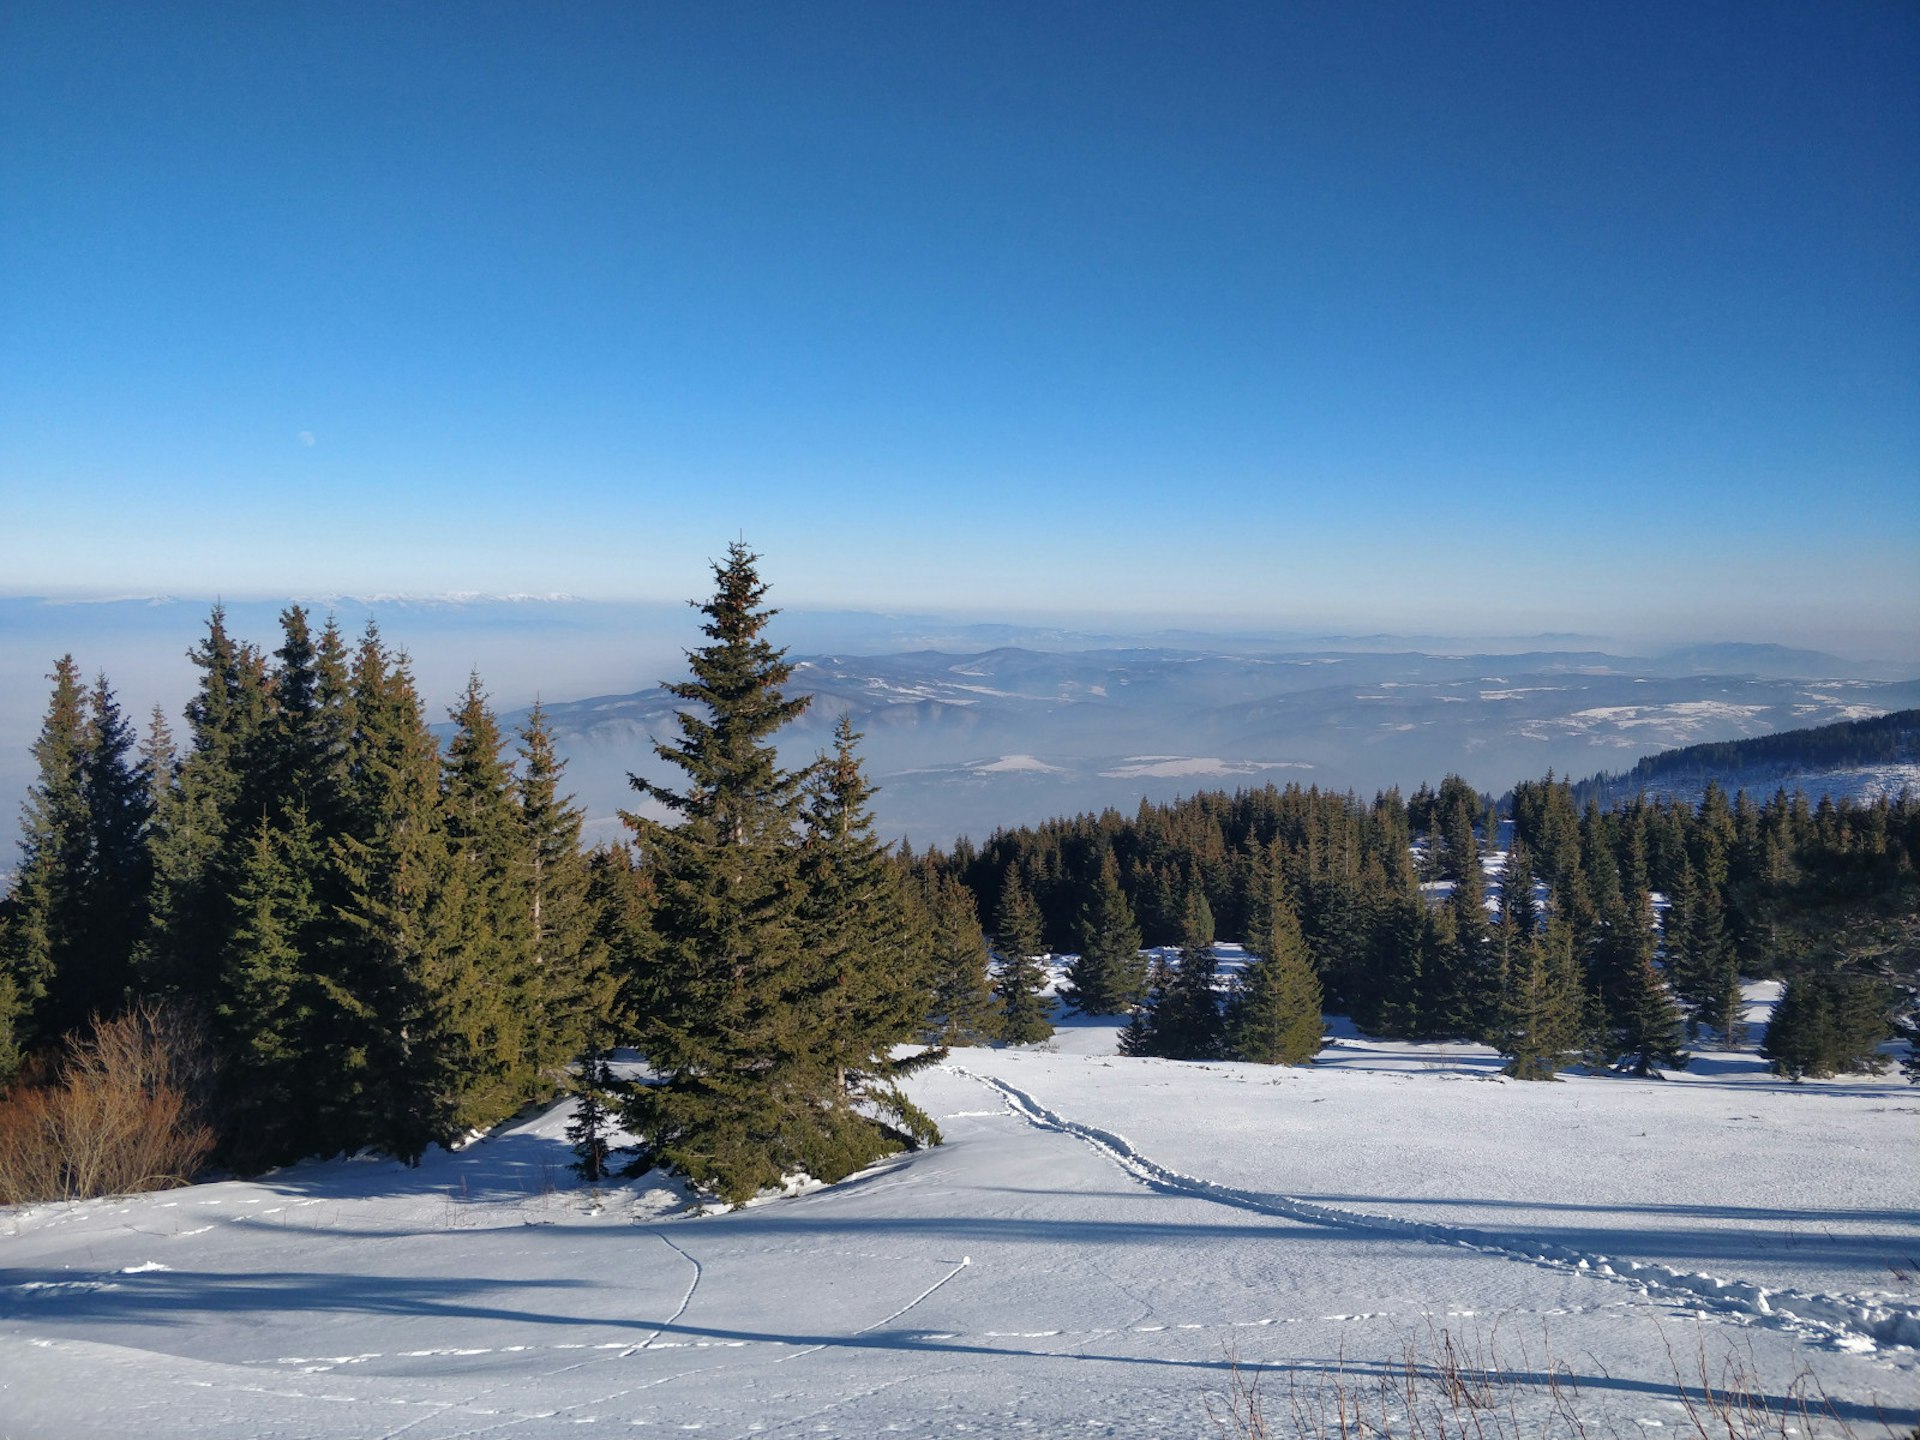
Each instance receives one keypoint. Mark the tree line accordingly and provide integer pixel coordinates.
(1845, 744)
(1555, 952)
(392, 943)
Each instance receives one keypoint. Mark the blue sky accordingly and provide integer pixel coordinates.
(1493, 317)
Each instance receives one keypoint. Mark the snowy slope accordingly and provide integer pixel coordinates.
(1096, 1238)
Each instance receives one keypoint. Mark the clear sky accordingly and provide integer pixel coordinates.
(1501, 317)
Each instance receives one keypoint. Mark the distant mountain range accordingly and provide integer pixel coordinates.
(962, 743)
(970, 725)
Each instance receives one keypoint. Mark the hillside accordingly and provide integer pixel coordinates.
(1861, 758)
(1097, 1242)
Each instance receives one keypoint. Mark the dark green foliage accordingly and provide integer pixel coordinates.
(1542, 1024)
(404, 949)
(77, 905)
(1830, 1022)
(571, 985)
(1109, 975)
(870, 970)
(270, 1003)
(1186, 1023)
(46, 927)
(1020, 978)
(488, 1015)
(1643, 1021)
(597, 1094)
(200, 824)
(1273, 1017)
(963, 1011)
(731, 999)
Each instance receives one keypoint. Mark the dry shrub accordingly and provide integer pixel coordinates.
(1456, 1387)
(121, 1114)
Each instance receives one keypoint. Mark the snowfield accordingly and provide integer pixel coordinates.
(1096, 1242)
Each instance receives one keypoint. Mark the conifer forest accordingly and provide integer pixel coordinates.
(353, 937)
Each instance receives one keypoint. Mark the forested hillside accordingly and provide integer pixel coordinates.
(1886, 747)
(331, 933)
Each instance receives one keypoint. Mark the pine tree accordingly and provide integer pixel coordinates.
(119, 803)
(741, 1083)
(1021, 979)
(199, 833)
(1109, 976)
(597, 1093)
(1188, 1019)
(1645, 1022)
(491, 1009)
(963, 1010)
(47, 921)
(265, 1007)
(393, 1066)
(868, 986)
(1273, 1017)
(572, 986)
(1542, 1021)
(1142, 1035)
(1830, 1022)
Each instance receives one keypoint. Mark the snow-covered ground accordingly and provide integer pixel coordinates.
(1095, 1242)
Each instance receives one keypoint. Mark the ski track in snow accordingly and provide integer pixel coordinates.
(685, 1300)
(1841, 1321)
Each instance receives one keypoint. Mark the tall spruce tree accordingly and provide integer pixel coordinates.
(46, 927)
(572, 986)
(492, 1009)
(1187, 1021)
(1020, 979)
(963, 1010)
(1273, 1016)
(267, 1007)
(1830, 1021)
(1109, 975)
(1542, 1023)
(867, 990)
(741, 1083)
(394, 1067)
(1644, 1022)
(119, 797)
(200, 832)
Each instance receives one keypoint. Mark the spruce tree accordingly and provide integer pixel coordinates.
(867, 989)
(1188, 1018)
(1109, 975)
(265, 1009)
(393, 1066)
(1142, 1035)
(1645, 1023)
(491, 1010)
(45, 933)
(571, 981)
(1273, 1017)
(740, 1082)
(199, 838)
(119, 803)
(597, 1096)
(1829, 1021)
(1020, 979)
(1542, 1025)
(963, 1011)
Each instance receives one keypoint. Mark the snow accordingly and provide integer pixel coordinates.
(1168, 767)
(1096, 1239)
(1010, 763)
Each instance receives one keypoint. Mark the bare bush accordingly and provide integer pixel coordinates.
(1457, 1388)
(122, 1113)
